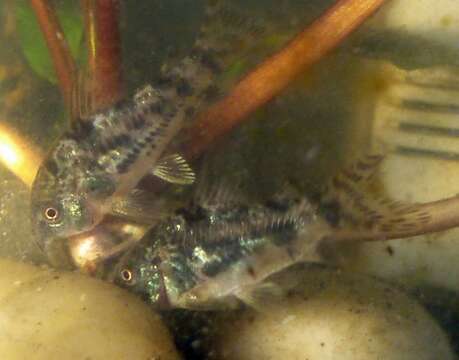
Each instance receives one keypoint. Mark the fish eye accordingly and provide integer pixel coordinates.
(126, 275)
(51, 214)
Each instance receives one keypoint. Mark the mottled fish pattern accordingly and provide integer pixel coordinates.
(102, 158)
(219, 253)
(206, 258)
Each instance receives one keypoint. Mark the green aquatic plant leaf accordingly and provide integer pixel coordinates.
(246, 62)
(236, 69)
(33, 43)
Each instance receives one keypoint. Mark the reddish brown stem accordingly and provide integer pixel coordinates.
(104, 51)
(60, 53)
(271, 77)
(274, 74)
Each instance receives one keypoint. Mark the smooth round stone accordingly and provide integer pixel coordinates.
(45, 314)
(325, 314)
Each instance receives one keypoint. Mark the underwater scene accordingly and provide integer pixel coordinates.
(229, 179)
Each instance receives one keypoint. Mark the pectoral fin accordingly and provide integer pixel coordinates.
(174, 169)
(259, 295)
(139, 206)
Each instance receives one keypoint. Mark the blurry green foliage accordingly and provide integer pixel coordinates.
(33, 43)
(265, 48)
(236, 69)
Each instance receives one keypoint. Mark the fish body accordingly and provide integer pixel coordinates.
(222, 251)
(102, 158)
(88, 165)
(215, 257)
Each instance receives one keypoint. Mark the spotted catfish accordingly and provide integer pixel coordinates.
(100, 160)
(208, 258)
(213, 256)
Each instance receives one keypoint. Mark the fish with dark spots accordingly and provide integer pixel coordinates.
(223, 253)
(70, 196)
(226, 249)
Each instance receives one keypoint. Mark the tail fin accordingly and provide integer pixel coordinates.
(358, 215)
(346, 201)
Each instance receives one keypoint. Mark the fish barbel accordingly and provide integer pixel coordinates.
(96, 163)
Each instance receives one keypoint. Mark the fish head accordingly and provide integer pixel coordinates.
(145, 278)
(60, 208)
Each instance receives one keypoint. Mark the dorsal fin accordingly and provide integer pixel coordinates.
(139, 206)
(217, 192)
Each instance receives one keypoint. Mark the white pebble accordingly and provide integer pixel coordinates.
(75, 317)
(327, 315)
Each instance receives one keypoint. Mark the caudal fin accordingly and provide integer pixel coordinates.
(359, 214)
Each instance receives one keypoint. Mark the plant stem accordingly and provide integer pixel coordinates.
(104, 51)
(64, 64)
(277, 72)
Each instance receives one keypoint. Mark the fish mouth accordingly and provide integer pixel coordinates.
(81, 249)
(89, 248)
(56, 251)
